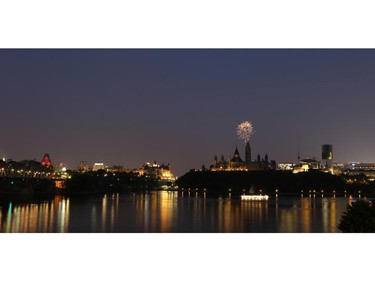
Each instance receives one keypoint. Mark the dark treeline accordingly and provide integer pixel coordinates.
(102, 181)
(10, 185)
(79, 183)
(24, 168)
(269, 181)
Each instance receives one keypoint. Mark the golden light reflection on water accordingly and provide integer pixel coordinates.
(312, 211)
(253, 212)
(146, 208)
(155, 211)
(104, 212)
(227, 216)
(168, 211)
(332, 213)
(306, 214)
(109, 213)
(230, 215)
(36, 217)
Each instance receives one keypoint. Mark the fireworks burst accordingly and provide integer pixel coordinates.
(245, 130)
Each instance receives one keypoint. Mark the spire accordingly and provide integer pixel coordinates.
(236, 152)
(236, 156)
(46, 161)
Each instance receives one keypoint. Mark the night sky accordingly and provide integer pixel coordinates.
(126, 107)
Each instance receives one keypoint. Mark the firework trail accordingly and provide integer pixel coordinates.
(245, 130)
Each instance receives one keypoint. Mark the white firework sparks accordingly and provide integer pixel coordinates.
(245, 130)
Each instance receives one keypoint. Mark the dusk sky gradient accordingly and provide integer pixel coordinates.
(126, 107)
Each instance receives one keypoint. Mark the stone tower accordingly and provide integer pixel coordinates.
(247, 153)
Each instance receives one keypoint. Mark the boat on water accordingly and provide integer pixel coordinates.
(255, 197)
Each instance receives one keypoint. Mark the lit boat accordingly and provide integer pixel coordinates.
(254, 197)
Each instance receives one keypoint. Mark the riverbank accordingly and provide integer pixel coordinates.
(281, 182)
(26, 186)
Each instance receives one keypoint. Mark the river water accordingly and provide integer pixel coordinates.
(172, 212)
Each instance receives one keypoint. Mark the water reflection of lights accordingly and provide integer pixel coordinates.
(228, 216)
(325, 214)
(220, 215)
(168, 209)
(104, 212)
(38, 217)
(93, 219)
(9, 218)
(173, 211)
(332, 213)
(109, 213)
(254, 211)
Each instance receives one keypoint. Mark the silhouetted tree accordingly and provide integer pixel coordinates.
(359, 217)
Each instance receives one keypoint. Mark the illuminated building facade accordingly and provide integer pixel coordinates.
(118, 169)
(61, 167)
(285, 166)
(356, 168)
(162, 172)
(307, 164)
(338, 168)
(46, 161)
(98, 166)
(83, 167)
(235, 163)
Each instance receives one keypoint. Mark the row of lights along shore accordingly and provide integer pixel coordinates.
(310, 192)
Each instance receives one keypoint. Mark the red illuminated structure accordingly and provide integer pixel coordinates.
(46, 161)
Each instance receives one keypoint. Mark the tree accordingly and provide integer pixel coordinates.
(359, 218)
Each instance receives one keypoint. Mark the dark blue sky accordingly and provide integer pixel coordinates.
(126, 107)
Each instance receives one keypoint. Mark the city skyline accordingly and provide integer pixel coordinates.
(127, 107)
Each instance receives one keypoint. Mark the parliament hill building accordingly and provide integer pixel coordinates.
(235, 163)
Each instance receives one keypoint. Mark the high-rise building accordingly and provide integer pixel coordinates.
(327, 157)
